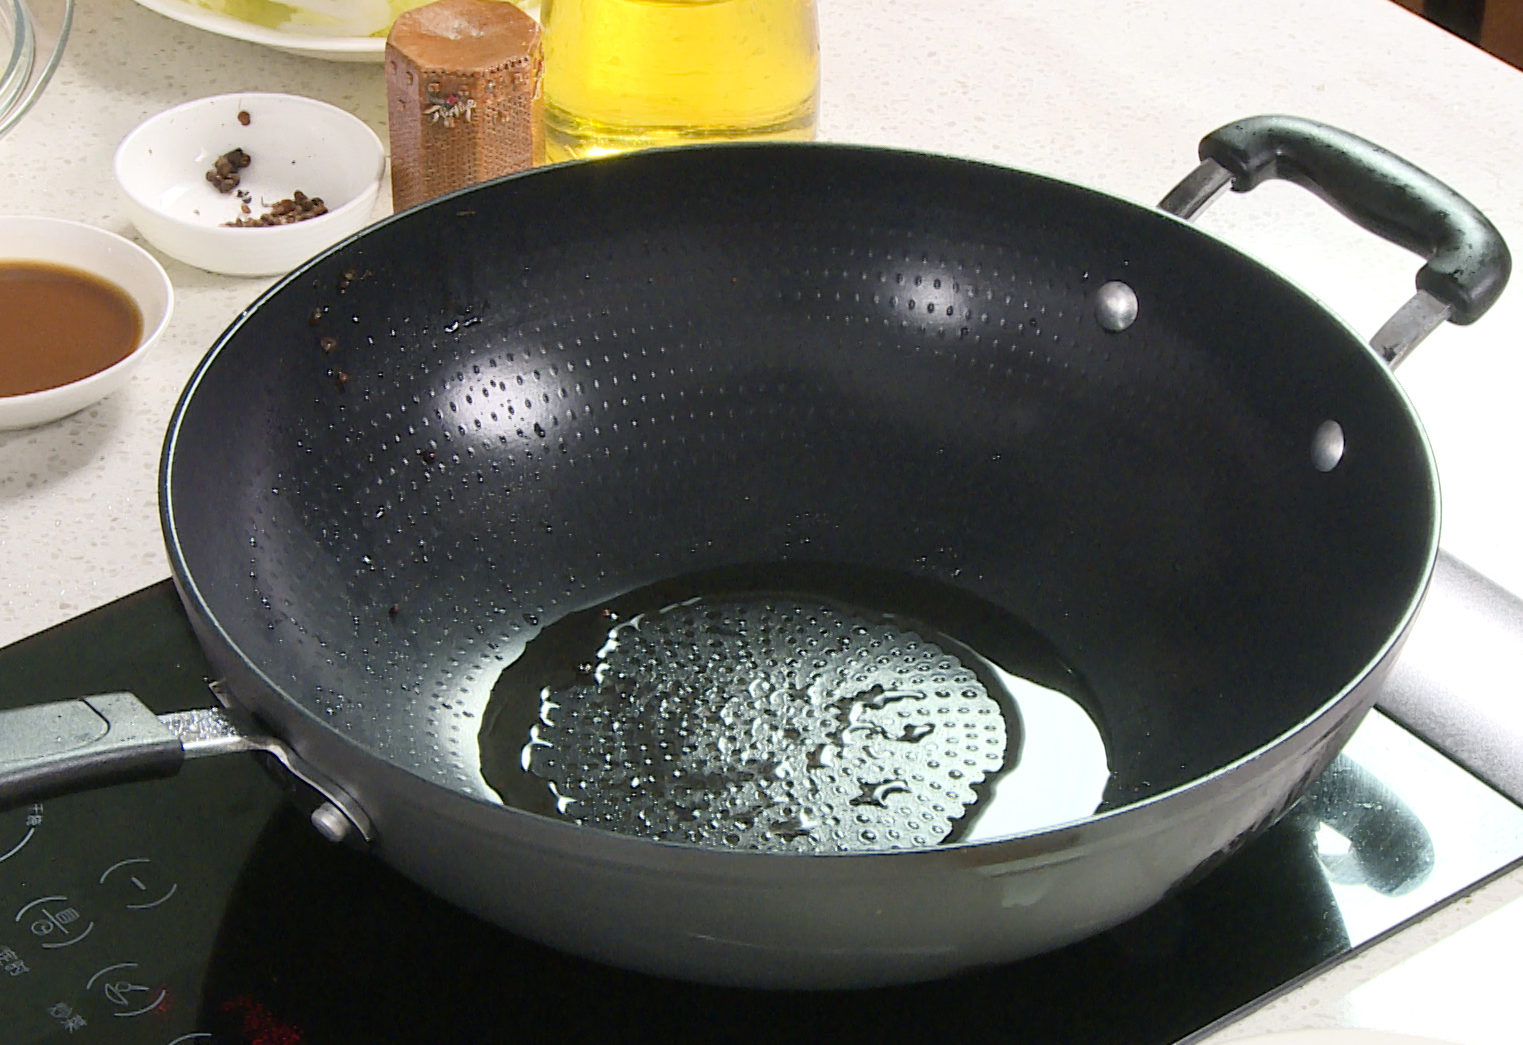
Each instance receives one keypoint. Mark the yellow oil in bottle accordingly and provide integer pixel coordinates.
(630, 74)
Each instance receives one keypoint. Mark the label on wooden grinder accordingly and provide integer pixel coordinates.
(463, 97)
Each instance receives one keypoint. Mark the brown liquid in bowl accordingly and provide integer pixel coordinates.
(59, 324)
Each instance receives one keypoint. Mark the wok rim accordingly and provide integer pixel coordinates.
(1208, 789)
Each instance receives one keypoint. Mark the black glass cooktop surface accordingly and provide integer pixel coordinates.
(205, 909)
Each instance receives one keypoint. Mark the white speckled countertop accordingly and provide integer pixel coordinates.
(1110, 93)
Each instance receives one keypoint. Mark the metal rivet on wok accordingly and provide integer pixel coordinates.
(1116, 306)
(1327, 446)
(331, 822)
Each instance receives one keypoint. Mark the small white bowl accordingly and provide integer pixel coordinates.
(296, 144)
(103, 254)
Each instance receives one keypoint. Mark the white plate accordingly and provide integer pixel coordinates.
(307, 41)
(338, 30)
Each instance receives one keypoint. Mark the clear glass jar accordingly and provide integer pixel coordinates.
(631, 74)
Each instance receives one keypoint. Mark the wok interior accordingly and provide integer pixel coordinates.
(561, 387)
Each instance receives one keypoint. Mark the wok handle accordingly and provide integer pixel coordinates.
(1467, 260)
(74, 745)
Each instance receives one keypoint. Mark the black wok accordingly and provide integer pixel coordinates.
(1003, 410)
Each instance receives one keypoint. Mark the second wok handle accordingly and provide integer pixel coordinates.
(1467, 261)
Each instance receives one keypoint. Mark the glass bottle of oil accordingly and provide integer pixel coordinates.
(630, 74)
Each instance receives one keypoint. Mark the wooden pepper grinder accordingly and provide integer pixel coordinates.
(463, 97)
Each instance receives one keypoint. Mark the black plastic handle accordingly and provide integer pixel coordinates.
(1467, 260)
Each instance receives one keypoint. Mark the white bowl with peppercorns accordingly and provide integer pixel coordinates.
(249, 184)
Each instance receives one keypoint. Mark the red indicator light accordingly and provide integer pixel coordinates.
(259, 1025)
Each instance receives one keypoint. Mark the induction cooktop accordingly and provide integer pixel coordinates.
(204, 908)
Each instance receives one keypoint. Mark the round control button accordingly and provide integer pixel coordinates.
(55, 921)
(137, 884)
(126, 991)
(18, 828)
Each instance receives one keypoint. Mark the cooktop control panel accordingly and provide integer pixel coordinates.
(110, 904)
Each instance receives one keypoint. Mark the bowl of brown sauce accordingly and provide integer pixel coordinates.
(80, 307)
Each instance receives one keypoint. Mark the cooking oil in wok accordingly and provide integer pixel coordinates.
(629, 74)
(780, 715)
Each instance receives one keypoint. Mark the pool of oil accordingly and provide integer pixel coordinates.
(796, 708)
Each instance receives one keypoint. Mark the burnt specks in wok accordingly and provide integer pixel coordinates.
(350, 276)
(328, 343)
